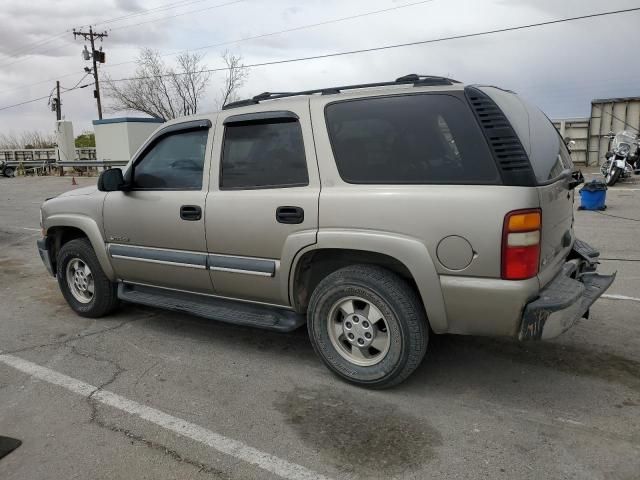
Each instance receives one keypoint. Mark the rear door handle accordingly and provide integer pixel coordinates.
(290, 215)
(190, 212)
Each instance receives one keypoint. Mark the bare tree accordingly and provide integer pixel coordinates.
(27, 139)
(159, 90)
(237, 75)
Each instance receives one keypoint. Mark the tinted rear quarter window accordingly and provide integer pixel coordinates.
(409, 139)
(545, 147)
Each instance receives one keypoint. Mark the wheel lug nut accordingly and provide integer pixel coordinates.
(365, 324)
(356, 319)
(350, 336)
(367, 335)
(360, 341)
(348, 325)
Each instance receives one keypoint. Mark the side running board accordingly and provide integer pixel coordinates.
(229, 311)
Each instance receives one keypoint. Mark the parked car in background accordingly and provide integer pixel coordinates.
(375, 214)
(6, 170)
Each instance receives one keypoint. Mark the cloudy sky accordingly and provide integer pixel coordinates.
(559, 67)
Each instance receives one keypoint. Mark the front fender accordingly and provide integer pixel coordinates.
(411, 252)
(91, 230)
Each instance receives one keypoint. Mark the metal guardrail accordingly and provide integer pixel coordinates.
(92, 163)
(73, 163)
(42, 154)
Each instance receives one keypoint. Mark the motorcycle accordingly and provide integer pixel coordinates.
(6, 170)
(620, 162)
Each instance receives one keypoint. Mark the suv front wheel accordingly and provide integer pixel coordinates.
(368, 325)
(84, 285)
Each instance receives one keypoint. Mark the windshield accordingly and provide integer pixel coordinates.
(624, 136)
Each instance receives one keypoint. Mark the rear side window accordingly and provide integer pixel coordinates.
(546, 150)
(410, 139)
(263, 155)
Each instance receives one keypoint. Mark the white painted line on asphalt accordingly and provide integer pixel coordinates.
(620, 297)
(31, 229)
(228, 446)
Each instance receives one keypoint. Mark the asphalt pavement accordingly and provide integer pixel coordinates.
(152, 394)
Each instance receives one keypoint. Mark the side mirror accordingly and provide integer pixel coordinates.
(111, 180)
(576, 179)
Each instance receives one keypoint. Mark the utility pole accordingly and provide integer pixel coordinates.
(55, 103)
(58, 104)
(97, 57)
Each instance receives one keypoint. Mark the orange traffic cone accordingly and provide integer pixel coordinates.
(73, 181)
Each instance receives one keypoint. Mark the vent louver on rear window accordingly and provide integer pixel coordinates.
(508, 152)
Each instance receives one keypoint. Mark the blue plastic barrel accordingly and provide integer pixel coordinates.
(593, 196)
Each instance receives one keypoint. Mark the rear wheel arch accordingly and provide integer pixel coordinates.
(317, 264)
(314, 265)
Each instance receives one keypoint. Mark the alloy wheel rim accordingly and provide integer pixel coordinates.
(358, 331)
(80, 280)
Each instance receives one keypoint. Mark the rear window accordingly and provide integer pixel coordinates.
(546, 150)
(409, 139)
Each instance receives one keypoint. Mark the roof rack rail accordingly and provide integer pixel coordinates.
(417, 80)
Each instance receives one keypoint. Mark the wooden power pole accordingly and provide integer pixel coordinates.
(96, 57)
(58, 104)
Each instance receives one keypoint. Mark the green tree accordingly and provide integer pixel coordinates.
(85, 140)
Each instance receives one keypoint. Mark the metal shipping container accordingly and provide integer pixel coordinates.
(576, 129)
(610, 115)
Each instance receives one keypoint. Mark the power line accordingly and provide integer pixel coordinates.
(300, 27)
(625, 123)
(44, 97)
(57, 47)
(407, 44)
(79, 81)
(128, 26)
(385, 47)
(26, 102)
(33, 45)
(167, 6)
(177, 15)
(288, 30)
(39, 43)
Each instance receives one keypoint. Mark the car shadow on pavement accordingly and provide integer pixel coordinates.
(462, 363)
(452, 363)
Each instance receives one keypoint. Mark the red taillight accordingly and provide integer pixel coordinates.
(521, 244)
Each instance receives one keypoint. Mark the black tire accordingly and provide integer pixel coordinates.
(615, 175)
(104, 299)
(403, 312)
(9, 172)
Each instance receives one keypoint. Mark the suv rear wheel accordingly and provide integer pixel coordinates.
(368, 325)
(84, 285)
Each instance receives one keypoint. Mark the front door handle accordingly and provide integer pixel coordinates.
(289, 215)
(190, 212)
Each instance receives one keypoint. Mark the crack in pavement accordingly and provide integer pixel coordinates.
(78, 336)
(202, 467)
(95, 419)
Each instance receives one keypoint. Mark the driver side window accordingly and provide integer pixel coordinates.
(175, 162)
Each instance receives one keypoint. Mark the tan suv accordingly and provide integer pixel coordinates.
(373, 213)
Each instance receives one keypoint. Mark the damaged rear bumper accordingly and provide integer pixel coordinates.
(567, 298)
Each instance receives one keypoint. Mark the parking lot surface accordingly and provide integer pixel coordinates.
(147, 393)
